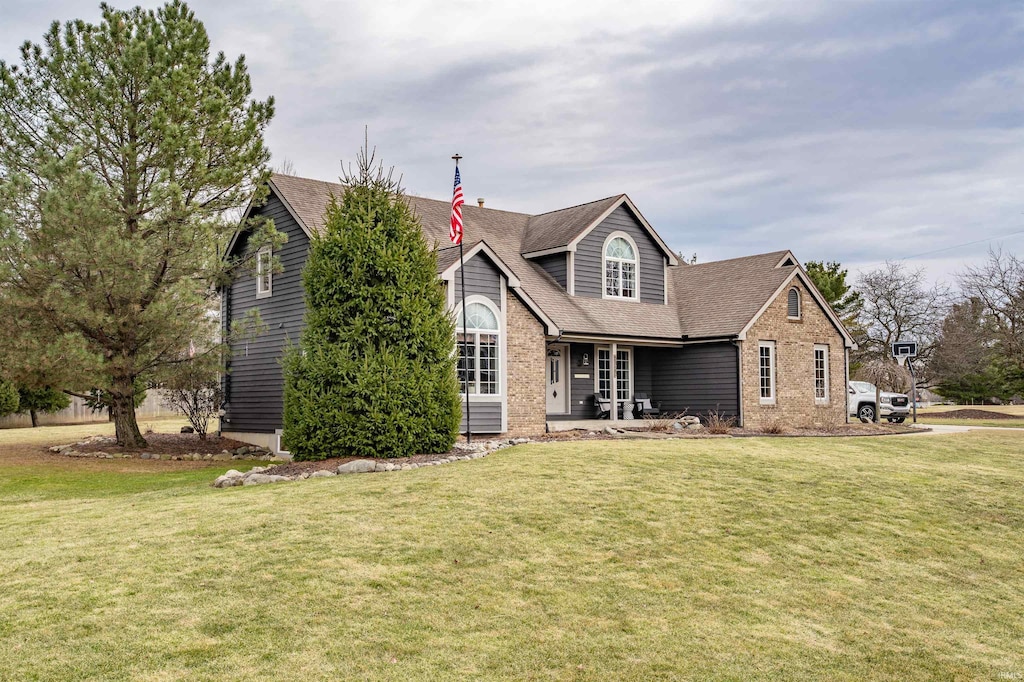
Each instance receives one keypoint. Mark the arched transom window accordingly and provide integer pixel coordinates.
(479, 350)
(620, 266)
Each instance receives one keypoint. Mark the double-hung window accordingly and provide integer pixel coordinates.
(766, 371)
(479, 351)
(620, 269)
(821, 375)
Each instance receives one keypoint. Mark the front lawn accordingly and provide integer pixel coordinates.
(861, 558)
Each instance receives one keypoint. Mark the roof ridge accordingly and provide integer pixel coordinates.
(585, 203)
(730, 260)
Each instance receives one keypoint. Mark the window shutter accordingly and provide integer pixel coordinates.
(794, 303)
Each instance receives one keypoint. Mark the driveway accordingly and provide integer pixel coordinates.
(943, 429)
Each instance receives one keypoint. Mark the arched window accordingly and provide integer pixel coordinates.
(620, 267)
(479, 349)
(793, 305)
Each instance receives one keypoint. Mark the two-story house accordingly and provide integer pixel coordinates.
(564, 306)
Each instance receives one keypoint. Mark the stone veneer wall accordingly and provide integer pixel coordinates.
(794, 365)
(526, 353)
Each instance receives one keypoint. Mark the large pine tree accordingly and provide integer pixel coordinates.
(126, 151)
(374, 373)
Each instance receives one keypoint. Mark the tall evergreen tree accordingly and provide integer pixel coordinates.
(125, 150)
(374, 372)
(830, 279)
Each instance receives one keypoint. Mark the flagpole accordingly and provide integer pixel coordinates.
(462, 276)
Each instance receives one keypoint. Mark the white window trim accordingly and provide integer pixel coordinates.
(604, 267)
(799, 305)
(770, 345)
(828, 391)
(502, 352)
(269, 291)
(597, 369)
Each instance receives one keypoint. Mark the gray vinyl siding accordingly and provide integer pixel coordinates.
(254, 383)
(483, 278)
(486, 416)
(697, 378)
(589, 269)
(556, 265)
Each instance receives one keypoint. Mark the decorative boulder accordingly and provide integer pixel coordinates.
(187, 429)
(359, 466)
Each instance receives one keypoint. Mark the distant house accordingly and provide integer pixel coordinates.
(566, 305)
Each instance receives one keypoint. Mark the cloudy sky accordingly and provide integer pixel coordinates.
(844, 131)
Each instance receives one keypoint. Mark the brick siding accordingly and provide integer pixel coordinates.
(526, 352)
(794, 365)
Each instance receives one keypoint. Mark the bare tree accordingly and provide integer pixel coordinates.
(286, 167)
(999, 285)
(899, 306)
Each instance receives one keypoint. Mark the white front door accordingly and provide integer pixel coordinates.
(557, 379)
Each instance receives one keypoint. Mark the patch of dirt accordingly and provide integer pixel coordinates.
(167, 444)
(971, 414)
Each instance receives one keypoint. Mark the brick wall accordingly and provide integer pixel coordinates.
(526, 353)
(794, 365)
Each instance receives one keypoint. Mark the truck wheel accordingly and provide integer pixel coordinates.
(866, 413)
(898, 420)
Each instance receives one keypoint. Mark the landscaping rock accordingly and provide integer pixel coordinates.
(359, 466)
(221, 457)
(260, 479)
(694, 427)
(322, 473)
(146, 455)
(690, 420)
(187, 429)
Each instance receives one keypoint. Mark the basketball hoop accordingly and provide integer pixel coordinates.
(901, 360)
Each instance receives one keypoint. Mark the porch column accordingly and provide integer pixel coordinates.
(615, 381)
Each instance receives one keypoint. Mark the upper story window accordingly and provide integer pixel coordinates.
(479, 351)
(793, 305)
(264, 273)
(620, 268)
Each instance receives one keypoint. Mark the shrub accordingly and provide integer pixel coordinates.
(773, 425)
(195, 391)
(374, 371)
(716, 423)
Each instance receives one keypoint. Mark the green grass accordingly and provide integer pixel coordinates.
(840, 559)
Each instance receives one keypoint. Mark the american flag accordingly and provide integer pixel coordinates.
(455, 231)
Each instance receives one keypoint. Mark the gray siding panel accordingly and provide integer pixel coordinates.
(556, 265)
(486, 417)
(255, 385)
(697, 378)
(482, 278)
(589, 272)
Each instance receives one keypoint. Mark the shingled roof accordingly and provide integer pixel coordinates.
(714, 299)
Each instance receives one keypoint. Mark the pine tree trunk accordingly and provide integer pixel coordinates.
(123, 410)
(35, 421)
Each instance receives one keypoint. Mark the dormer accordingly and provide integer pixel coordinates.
(604, 249)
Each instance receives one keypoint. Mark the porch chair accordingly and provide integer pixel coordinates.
(603, 405)
(642, 406)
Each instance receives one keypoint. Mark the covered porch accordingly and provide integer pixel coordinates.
(676, 377)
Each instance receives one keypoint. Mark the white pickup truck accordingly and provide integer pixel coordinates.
(894, 407)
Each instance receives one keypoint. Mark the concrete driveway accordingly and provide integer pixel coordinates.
(943, 429)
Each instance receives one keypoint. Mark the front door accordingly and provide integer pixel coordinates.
(557, 379)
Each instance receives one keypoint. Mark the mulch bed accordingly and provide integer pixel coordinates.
(843, 430)
(167, 444)
(971, 414)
